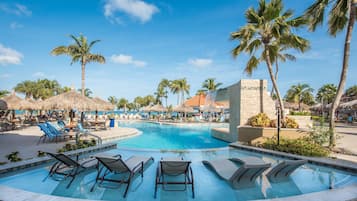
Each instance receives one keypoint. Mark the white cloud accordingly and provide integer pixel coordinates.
(127, 59)
(9, 56)
(15, 25)
(200, 62)
(17, 9)
(136, 8)
(39, 74)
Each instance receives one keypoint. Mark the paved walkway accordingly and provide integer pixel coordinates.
(25, 141)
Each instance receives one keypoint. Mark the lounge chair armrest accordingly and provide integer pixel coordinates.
(140, 165)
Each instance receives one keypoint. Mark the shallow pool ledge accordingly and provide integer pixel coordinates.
(13, 194)
(347, 193)
(31, 163)
(334, 163)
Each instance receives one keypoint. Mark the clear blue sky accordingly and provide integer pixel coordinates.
(145, 41)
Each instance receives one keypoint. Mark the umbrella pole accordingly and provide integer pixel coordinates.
(13, 114)
(70, 116)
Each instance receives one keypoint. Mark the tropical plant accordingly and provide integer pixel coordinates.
(259, 120)
(210, 84)
(160, 93)
(280, 56)
(148, 100)
(40, 89)
(351, 91)
(342, 15)
(80, 52)
(4, 93)
(300, 93)
(113, 100)
(26, 87)
(87, 92)
(66, 89)
(122, 104)
(326, 93)
(180, 87)
(268, 28)
(165, 84)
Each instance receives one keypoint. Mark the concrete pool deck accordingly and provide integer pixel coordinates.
(25, 141)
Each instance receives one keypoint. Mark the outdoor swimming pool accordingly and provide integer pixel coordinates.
(161, 141)
(164, 136)
(208, 186)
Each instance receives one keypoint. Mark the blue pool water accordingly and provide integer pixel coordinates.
(163, 136)
(208, 186)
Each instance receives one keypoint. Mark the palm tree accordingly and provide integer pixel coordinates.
(342, 15)
(80, 52)
(326, 93)
(210, 85)
(4, 93)
(26, 87)
(65, 89)
(160, 93)
(87, 92)
(299, 93)
(281, 56)
(268, 29)
(351, 91)
(175, 89)
(184, 89)
(113, 100)
(122, 103)
(165, 83)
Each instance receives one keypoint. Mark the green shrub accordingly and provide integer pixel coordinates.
(14, 157)
(298, 113)
(259, 120)
(3, 163)
(41, 153)
(319, 135)
(273, 123)
(301, 146)
(290, 123)
(80, 145)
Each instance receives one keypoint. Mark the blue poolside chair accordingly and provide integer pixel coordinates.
(47, 133)
(62, 125)
(85, 132)
(51, 130)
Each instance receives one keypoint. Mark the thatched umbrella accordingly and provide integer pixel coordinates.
(158, 108)
(3, 105)
(349, 104)
(69, 101)
(13, 102)
(103, 105)
(183, 108)
(146, 108)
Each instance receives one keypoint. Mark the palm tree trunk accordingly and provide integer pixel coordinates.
(341, 85)
(83, 76)
(178, 98)
(270, 69)
(276, 76)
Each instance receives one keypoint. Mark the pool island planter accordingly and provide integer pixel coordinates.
(252, 135)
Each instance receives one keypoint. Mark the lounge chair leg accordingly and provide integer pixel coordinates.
(96, 178)
(127, 187)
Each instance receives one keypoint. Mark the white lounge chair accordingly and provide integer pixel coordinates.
(283, 170)
(242, 176)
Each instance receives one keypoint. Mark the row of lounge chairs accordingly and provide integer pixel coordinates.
(241, 176)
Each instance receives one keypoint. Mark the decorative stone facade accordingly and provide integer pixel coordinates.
(246, 99)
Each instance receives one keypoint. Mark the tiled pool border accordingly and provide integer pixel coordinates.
(334, 163)
(14, 167)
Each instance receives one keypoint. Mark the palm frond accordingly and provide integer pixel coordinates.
(59, 50)
(338, 17)
(252, 64)
(315, 13)
(95, 58)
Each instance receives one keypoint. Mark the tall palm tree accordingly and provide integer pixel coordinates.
(281, 56)
(4, 93)
(268, 28)
(175, 89)
(210, 84)
(87, 92)
(184, 89)
(80, 52)
(165, 83)
(342, 15)
(299, 94)
(326, 93)
(122, 103)
(160, 93)
(113, 100)
(26, 87)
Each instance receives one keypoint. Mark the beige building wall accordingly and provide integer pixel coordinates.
(246, 99)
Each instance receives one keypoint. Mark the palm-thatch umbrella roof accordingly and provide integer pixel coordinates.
(158, 108)
(211, 108)
(13, 102)
(146, 108)
(349, 104)
(3, 105)
(68, 101)
(103, 105)
(183, 108)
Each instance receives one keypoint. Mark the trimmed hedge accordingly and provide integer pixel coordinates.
(301, 146)
(81, 145)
